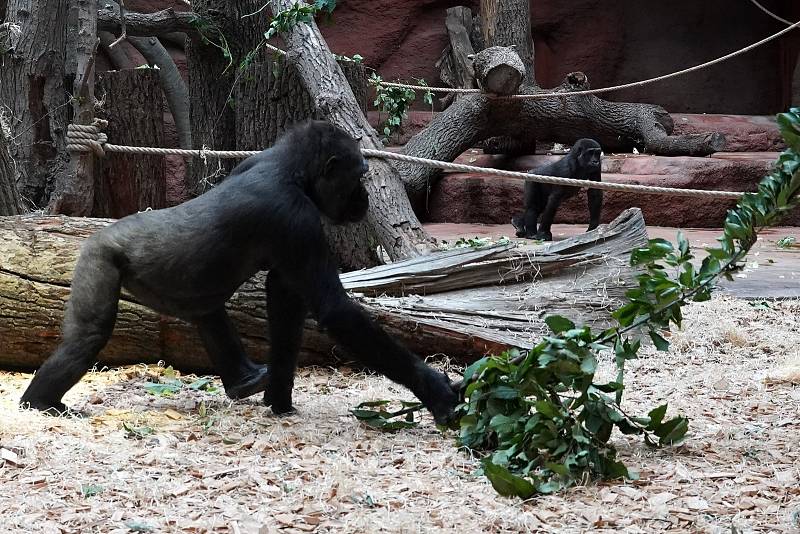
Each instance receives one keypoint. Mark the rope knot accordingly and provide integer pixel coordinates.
(86, 137)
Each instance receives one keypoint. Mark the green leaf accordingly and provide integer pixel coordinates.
(673, 431)
(558, 324)
(660, 343)
(506, 483)
(656, 415)
(167, 389)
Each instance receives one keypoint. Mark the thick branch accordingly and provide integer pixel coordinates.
(146, 24)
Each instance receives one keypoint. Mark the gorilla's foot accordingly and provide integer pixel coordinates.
(250, 384)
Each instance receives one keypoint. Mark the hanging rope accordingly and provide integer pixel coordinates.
(84, 138)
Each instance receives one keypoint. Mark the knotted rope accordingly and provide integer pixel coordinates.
(85, 137)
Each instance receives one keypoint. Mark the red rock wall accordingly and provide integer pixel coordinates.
(612, 42)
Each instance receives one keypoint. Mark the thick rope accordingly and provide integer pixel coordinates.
(84, 138)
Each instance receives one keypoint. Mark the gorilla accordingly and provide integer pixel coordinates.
(187, 261)
(542, 200)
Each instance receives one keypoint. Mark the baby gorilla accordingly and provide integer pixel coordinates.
(188, 260)
(542, 200)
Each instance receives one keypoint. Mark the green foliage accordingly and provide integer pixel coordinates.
(211, 35)
(395, 103)
(787, 241)
(356, 58)
(169, 384)
(137, 432)
(283, 21)
(541, 420)
(383, 420)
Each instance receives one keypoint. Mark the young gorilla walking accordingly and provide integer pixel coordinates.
(542, 200)
(188, 260)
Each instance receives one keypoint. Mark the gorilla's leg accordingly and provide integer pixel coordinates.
(240, 376)
(286, 312)
(88, 322)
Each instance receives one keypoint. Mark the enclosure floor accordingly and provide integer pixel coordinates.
(771, 272)
(211, 465)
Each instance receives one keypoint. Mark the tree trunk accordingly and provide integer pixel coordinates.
(10, 203)
(455, 63)
(33, 91)
(134, 108)
(508, 23)
(463, 303)
(172, 84)
(270, 98)
(214, 58)
(74, 188)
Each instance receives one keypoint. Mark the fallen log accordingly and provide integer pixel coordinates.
(462, 303)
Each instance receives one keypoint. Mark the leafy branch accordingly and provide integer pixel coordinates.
(541, 420)
(395, 102)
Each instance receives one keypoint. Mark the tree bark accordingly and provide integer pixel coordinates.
(391, 222)
(508, 23)
(10, 203)
(134, 108)
(213, 78)
(455, 63)
(74, 188)
(270, 98)
(463, 303)
(172, 85)
(33, 92)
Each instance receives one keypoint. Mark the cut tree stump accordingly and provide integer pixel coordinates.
(462, 303)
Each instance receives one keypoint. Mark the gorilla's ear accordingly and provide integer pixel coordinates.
(332, 161)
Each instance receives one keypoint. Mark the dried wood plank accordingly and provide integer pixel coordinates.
(462, 302)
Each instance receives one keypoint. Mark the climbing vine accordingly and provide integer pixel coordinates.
(540, 420)
(395, 102)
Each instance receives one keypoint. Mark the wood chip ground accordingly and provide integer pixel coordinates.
(734, 369)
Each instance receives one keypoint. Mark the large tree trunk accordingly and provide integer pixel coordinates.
(270, 98)
(10, 203)
(462, 303)
(134, 108)
(214, 59)
(33, 92)
(74, 187)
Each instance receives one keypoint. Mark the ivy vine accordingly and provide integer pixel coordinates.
(395, 103)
